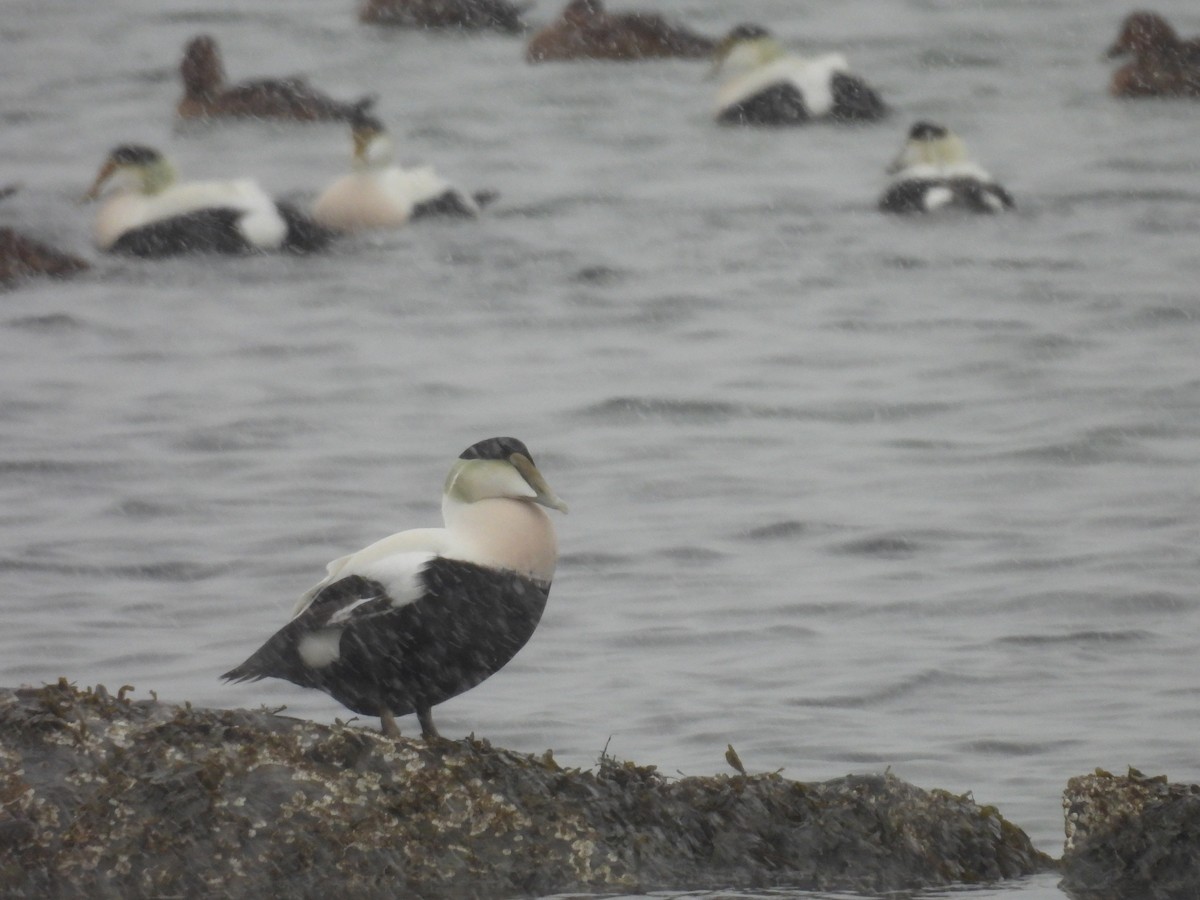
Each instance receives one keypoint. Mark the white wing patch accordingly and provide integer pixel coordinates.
(319, 649)
(937, 197)
(420, 542)
(343, 615)
(400, 575)
(993, 202)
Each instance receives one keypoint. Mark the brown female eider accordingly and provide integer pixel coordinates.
(465, 15)
(205, 95)
(586, 31)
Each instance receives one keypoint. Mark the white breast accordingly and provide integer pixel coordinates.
(503, 534)
(382, 198)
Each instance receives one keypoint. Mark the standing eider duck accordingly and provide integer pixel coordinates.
(465, 15)
(378, 194)
(585, 30)
(148, 214)
(768, 87)
(424, 615)
(934, 172)
(205, 95)
(1163, 64)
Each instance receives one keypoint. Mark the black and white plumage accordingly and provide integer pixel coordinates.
(424, 615)
(149, 214)
(379, 194)
(933, 172)
(769, 87)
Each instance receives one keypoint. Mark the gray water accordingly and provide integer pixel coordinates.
(847, 492)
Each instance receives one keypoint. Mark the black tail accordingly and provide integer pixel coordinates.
(854, 100)
(485, 198)
(451, 204)
(303, 234)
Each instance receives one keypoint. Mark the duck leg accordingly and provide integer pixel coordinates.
(425, 717)
(388, 721)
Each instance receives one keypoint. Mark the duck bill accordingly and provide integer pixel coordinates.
(106, 172)
(719, 56)
(542, 492)
(362, 140)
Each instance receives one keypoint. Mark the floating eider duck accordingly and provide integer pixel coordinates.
(468, 15)
(205, 95)
(22, 257)
(586, 31)
(1163, 64)
(148, 214)
(934, 172)
(424, 615)
(769, 87)
(378, 194)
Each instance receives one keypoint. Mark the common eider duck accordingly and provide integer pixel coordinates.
(23, 257)
(934, 172)
(378, 194)
(586, 31)
(769, 87)
(205, 95)
(466, 15)
(148, 214)
(424, 615)
(1163, 64)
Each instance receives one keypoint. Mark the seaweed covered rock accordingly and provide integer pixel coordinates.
(106, 796)
(1131, 836)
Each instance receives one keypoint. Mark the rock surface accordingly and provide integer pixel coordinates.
(104, 796)
(1131, 836)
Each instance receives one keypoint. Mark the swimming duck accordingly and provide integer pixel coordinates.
(150, 215)
(471, 15)
(586, 31)
(1163, 65)
(424, 615)
(934, 172)
(21, 257)
(377, 194)
(771, 88)
(205, 95)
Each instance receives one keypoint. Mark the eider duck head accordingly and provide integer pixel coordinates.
(372, 145)
(929, 145)
(581, 12)
(1143, 32)
(746, 47)
(201, 69)
(498, 468)
(136, 168)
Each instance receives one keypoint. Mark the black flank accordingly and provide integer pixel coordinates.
(780, 104)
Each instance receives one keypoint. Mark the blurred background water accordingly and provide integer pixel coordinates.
(847, 492)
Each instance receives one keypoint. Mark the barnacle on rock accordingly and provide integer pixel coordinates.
(104, 795)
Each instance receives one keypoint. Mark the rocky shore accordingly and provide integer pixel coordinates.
(102, 795)
(1131, 836)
